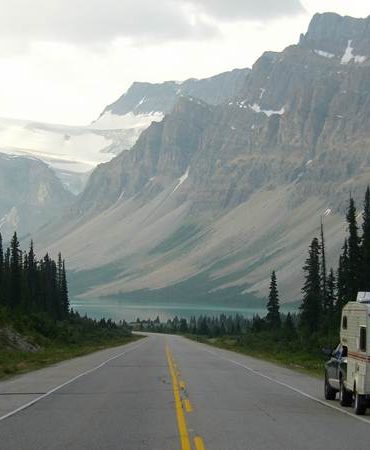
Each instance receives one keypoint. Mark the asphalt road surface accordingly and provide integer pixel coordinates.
(165, 392)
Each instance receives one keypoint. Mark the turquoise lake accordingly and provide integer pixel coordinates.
(119, 310)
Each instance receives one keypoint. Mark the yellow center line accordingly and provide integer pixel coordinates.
(188, 406)
(181, 421)
(199, 444)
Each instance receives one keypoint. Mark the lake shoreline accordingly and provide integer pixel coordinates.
(120, 310)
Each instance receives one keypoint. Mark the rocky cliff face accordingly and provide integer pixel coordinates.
(73, 152)
(329, 34)
(145, 103)
(30, 195)
(216, 196)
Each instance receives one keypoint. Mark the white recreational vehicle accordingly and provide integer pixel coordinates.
(354, 338)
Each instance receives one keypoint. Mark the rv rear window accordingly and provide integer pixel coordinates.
(363, 339)
(344, 323)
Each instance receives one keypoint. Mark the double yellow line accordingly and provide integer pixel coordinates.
(181, 420)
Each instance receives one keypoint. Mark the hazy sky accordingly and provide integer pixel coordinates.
(63, 61)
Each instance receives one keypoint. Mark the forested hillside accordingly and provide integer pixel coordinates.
(37, 325)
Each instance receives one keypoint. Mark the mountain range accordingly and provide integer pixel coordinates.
(31, 195)
(232, 182)
(72, 153)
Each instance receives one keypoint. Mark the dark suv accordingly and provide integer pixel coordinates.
(336, 374)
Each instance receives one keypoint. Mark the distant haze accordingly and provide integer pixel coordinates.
(62, 61)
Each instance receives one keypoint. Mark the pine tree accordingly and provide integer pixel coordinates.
(15, 272)
(183, 326)
(273, 307)
(60, 284)
(64, 291)
(310, 310)
(6, 274)
(31, 276)
(365, 245)
(331, 298)
(342, 278)
(323, 275)
(354, 253)
(323, 261)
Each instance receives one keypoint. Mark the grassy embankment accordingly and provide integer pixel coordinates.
(29, 343)
(289, 354)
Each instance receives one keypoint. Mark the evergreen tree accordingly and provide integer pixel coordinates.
(31, 277)
(354, 253)
(15, 272)
(365, 245)
(7, 260)
(183, 326)
(323, 276)
(331, 298)
(32, 286)
(273, 307)
(6, 278)
(64, 291)
(310, 310)
(342, 278)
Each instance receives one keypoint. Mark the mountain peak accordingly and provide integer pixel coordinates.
(333, 34)
(146, 98)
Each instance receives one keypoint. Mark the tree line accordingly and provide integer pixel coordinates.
(34, 298)
(29, 285)
(325, 292)
(215, 326)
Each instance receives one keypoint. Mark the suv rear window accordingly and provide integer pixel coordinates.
(344, 322)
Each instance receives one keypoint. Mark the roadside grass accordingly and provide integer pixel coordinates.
(17, 362)
(288, 355)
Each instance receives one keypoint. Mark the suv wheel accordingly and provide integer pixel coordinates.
(345, 397)
(329, 392)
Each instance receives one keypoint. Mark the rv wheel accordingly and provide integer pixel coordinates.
(345, 397)
(328, 390)
(360, 404)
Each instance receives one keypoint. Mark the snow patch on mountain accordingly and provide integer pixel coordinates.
(324, 54)
(349, 56)
(73, 152)
(269, 112)
(109, 121)
(182, 179)
(76, 149)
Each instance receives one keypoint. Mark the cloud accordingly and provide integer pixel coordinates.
(98, 21)
(226, 10)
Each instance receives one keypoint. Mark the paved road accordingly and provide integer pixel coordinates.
(166, 392)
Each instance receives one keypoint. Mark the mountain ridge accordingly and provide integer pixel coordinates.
(30, 195)
(233, 190)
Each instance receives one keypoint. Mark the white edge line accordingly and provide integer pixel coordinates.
(32, 402)
(281, 383)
